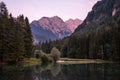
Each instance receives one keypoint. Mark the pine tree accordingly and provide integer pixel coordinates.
(3, 10)
(28, 39)
(3, 30)
(15, 37)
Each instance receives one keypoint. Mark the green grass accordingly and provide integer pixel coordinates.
(34, 61)
(73, 59)
(31, 61)
(81, 61)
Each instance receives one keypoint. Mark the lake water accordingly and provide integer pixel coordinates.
(61, 72)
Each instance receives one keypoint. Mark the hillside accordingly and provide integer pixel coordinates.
(99, 34)
(101, 13)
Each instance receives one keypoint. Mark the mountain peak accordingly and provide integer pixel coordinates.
(73, 23)
(56, 17)
(52, 28)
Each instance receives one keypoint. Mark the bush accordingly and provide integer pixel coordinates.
(46, 58)
(55, 53)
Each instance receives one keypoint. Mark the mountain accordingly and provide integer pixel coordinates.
(52, 28)
(98, 37)
(101, 12)
(73, 23)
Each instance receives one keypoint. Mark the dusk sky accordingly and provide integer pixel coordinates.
(35, 9)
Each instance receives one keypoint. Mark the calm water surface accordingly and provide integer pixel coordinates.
(61, 72)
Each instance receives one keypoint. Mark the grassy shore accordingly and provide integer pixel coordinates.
(30, 61)
(80, 61)
(34, 61)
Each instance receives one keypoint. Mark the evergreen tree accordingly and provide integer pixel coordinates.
(28, 39)
(3, 29)
(15, 37)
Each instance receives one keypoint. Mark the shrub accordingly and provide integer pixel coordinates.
(55, 53)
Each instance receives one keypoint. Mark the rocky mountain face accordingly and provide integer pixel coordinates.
(73, 24)
(52, 28)
(101, 12)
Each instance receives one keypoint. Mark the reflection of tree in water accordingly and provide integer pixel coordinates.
(15, 73)
(55, 69)
(48, 72)
(80, 72)
(61, 72)
(51, 69)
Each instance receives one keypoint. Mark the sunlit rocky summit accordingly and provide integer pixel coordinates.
(52, 28)
(73, 23)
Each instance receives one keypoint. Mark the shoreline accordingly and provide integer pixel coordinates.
(34, 61)
(81, 61)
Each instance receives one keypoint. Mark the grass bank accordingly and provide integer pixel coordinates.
(80, 61)
(31, 61)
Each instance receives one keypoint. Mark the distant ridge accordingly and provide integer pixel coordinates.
(52, 28)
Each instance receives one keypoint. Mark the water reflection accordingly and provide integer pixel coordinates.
(61, 72)
(15, 73)
(46, 71)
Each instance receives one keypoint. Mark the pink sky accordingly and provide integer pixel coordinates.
(35, 9)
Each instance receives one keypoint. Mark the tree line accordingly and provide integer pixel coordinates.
(100, 42)
(15, 37)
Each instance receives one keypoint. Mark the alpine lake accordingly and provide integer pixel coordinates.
(85, 71)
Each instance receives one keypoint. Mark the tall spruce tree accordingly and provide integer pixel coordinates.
(3, 30)
(15, 37)
(28, 39)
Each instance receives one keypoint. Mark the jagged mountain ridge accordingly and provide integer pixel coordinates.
(52, 28)
(73, 24)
